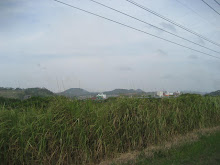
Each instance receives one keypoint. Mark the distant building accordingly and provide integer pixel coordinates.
(101, 96)
(166, 93)
(177, 93)
(160, 93)
(171, 94)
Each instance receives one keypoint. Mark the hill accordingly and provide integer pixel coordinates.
(215, 93)
(194, 92)
(124, 92)
(19, 93)
(42, 92)
(75, 92)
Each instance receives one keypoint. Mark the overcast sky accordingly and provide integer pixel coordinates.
(46, 44)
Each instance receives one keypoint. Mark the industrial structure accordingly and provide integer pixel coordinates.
(167, 94)
(160, 93)
(101, 96)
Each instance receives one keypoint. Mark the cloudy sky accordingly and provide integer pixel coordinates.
(46, 44)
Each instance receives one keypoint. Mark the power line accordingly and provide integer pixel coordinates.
(130, 27)
(186, 6)
(171, 21)
(217, 2)
(152, 25)
(210, 7)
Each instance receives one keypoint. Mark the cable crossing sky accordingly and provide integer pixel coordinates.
(217, 2)
(195, 12)
(153, 26)
(171, 21)
(210, 7)
(130, 27)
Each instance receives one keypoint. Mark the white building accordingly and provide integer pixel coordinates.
(101, 96)
(171, 94)
(177, 93)
(160, 93)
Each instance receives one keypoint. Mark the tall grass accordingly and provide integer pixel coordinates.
(78, 132)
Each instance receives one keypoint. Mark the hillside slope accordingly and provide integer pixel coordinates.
(124, 91)
(19, 93)
(75, 92)
(215, 93)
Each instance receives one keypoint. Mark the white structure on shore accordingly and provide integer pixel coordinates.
(166, 93)
(171, 94)
(160, 93)
(177, 93)
(101, 96)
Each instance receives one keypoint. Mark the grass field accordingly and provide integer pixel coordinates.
(58, 130)
(204, 151)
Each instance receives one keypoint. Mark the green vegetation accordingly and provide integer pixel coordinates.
(11, 93)
(202, 152)
(76, 92)
(124, 92)
(58, 130)
(19, 93)
(40, 92)
(216, 93)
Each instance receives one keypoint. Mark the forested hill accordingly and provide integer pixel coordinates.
(75, 92)
(215, 93)
(124, 91)
(18, 93)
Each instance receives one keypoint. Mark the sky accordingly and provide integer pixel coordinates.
(47, 44)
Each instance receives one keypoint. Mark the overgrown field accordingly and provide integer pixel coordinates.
(204, 151)
(62, 131)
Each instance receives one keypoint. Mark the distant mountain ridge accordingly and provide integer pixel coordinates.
(76, 92)
(215, 93)
(42, 92)
(194, 92)
(19, 93)
(124, 91)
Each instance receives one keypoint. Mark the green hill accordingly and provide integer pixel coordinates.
(76, 92)
(124, 92)
(42, 92)
(19, 93)
(216, 93)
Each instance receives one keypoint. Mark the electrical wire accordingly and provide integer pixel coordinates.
(210, 7)
(130, 27)
(171, 21)
(153, 25)
(192, 10)
(217, 2)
